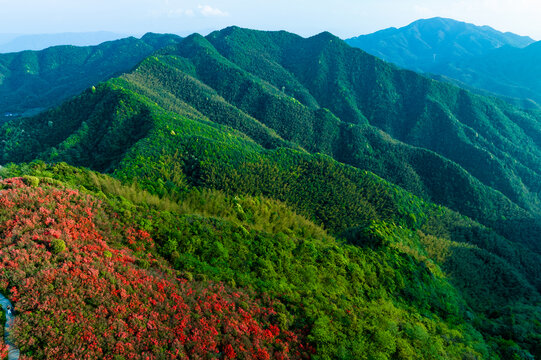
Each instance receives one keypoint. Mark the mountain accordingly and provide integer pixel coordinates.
(42, 41)
(363, 96)
(508, 72)
(478, 58)
(381, 213)
(424, 44)
(6, 37)
(33, 80)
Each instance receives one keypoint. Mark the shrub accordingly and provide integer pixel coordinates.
(58, 245)
(31, 180)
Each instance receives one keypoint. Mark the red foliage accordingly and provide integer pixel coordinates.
(92, 301)
(3, 349)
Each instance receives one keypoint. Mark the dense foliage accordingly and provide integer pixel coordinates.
(258, 243)
(477, 57)
(256, 163)
(34, 80)
(424, 44)
(79, 294)
(228, 78)
(322, 285)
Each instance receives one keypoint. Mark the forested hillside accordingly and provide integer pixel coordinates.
(426, 44)
(265, 87)
(31, 81)
(360, 211)
(509, 72)
(476, 57)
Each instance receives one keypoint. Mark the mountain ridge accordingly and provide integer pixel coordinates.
(478, 58)
(297, 124)
(506, 72)
(31, 81)
(423, 41)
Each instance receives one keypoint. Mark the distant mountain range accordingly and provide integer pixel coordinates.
(424, 44)
(477, 57)
(509, 72)
(31, 81)
(4, 38)
(14, 43)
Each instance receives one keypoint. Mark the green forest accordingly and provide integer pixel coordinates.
(304, 199)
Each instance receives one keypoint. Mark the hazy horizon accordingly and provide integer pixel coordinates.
(8, 37)
(343, 18)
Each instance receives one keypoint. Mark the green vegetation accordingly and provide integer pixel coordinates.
(267, 162)
(341, 295)
(477, 57)
(260, 243)
(31, 81)
(233, 78)
(58, 245)
(416, 47)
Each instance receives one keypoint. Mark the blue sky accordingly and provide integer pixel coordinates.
(344, 18)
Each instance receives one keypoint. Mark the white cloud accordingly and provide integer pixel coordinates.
(207, 10)
(180, 12)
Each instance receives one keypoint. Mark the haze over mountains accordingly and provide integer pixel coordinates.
(424, 44)
(358, 210)
(14, 42)
(477, 57)
(509, 72)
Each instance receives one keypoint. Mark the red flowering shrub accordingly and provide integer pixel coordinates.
(3, 349)
(79, 297)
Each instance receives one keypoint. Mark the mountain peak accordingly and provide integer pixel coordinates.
(420, 45)
(325, 35)
(437, 20)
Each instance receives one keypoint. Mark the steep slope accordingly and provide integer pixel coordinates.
(479, 58)
(33, 80)
(363, 94)
(508, 72)
(72, 267)
(358, 88)
(353, 204)
(318, 130)
(382, 297)
(425, 44)
(99, 127)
